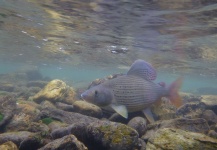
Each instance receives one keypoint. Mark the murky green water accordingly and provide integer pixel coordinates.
(78, 41)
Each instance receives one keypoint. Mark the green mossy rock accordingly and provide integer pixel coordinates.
(111, 135)
(175, 139)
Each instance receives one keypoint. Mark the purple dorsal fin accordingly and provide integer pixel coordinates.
(142, 69)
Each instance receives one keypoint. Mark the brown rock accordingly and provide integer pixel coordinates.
(139, 124)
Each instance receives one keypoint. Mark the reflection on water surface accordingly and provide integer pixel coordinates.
(177, 37)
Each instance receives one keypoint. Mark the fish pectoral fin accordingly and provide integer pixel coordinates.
(120, 109)
(148, 114)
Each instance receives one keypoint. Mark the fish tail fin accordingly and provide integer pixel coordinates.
(174, 97)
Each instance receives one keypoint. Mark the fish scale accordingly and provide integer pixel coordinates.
(134, 92)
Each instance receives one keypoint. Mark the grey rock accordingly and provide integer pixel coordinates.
(7, 108)
(191, 110)
(15, 137)
(66, 117)
(212, 134)
(210, 117)
(65, 107)
(139, 124)
(68, 142)
(88, 109)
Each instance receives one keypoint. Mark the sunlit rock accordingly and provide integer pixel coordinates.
(9, 146)
(210, 102)
(56, 91)
(179, 139)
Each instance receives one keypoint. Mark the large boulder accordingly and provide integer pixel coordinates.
(65, 143)
(179, 139)
(56, 91)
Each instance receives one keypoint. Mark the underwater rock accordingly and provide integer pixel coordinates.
(210, 117)
(65, 143)
(7, 108)
(8, 146)
(212, 134)
(189, 97)
(210, 102)
(15, 137)
(39, 83)
(64, 106)
(165, 111)
(56, 91)
(7, 87)
(139, 124)
(194, 125)
(110, 135)
(179, 139)
(47, 104)
(191, 110)
(54, 125)
(88, 109)
(66, 117)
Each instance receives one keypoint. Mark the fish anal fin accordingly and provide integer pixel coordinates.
(120, 109)
(148, 114)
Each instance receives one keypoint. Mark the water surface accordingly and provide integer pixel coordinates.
(78, 41)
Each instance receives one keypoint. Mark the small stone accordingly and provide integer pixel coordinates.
(88, 109)
(64, 106)
(8, 146)
(139, 124)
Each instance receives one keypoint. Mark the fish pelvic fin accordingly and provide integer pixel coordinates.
(174, 96)
(148, 114)
(121, 110)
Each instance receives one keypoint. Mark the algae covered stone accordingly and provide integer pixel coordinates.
(111, 135)
(55, 91)
(168, 138)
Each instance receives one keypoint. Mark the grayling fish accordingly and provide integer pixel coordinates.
(131, 92)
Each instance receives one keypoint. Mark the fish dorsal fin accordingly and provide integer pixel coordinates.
(120, 109)
(148, 114)
(142, 69)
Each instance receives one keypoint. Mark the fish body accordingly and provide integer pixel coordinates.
(132, 92)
